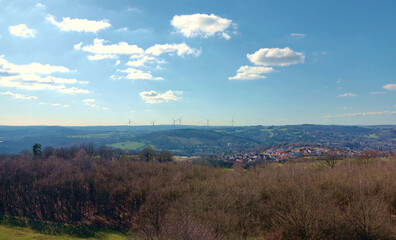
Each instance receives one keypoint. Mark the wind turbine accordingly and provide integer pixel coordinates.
(153, 122)
(129, 122)
(207, 122)
(174, 121)
(180, 121)
(232, 122)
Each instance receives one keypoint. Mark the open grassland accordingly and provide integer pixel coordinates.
(8, 232)
(105, 135)
(271, 134)
(127, 145)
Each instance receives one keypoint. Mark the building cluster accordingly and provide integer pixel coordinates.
(283, 154)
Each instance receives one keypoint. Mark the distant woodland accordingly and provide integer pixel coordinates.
(156, 198)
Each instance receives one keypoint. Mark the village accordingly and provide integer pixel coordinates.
(284, 154)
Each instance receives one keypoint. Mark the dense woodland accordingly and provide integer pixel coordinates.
(155, 198)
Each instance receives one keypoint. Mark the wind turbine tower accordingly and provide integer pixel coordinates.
(129, 122)
(207, 122)
(153, 122)
(180, 121)
(174, 121)
(232, 122)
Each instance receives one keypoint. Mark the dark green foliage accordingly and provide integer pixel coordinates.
(147, 154)
(36, 149)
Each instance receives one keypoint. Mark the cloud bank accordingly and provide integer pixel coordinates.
(36, 76)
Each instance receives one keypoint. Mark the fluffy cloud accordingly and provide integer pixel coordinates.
(267, 57)
(22, 30)
(276, 57)
(391, 86)
(180, 49)
(99, 48)
(251, 73)
(375, 93)
(347, 95)
(18, 96)
(136, 74)
(79, 25)
(155, 97)
(141, 60)
(362, 114)
(36, 76)
(201, 25)
(32, 68)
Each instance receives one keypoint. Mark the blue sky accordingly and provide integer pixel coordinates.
(259, 62)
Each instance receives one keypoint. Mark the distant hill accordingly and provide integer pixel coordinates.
(197, 139)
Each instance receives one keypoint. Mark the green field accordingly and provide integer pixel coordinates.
(103, 135)
(372, 136)
(271, 134)
(23, 233)
(127, 145)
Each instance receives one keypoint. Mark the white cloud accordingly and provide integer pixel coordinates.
(18, 96)
(298, 35)
(66, 106)
(89, 100)
(201, 25)
(112, 49)
(101, 57)
(361, 114)
(105, 108)
(118, 62)
(32, 68)
(391, 86)
(56, 104)
(135, 74)
(251, 73)
(79, 25)
(141, 61)
(180, 49)
(347, 95)
(21, 30)
(35, 76)
(276, 57)
(77, 46)
(155, 97)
